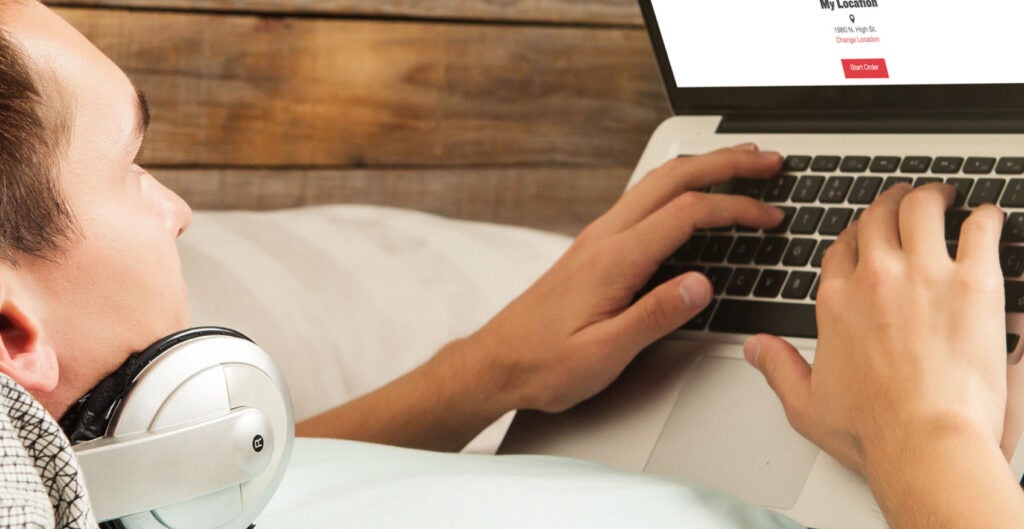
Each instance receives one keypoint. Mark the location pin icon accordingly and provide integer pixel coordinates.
(853, 19)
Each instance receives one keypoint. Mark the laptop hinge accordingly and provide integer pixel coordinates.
(931, 123)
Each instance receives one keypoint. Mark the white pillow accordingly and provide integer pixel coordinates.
(346, 298)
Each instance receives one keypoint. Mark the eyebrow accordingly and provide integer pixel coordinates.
(142, 114)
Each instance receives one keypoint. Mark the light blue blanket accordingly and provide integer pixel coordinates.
(335, 484)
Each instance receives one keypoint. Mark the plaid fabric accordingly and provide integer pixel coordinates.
(40, 483)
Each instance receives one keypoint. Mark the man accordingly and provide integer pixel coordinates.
(90, 274)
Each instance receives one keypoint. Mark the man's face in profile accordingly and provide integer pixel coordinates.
(117, 286)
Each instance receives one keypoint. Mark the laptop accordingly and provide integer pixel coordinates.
(858, 95)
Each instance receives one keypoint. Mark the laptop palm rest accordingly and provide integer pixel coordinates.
(728, 431)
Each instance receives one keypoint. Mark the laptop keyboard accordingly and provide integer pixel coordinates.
(767, 281)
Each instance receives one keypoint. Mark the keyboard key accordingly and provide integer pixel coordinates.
(986, 191)
(723, 188)
(1011, 259)
(893, 180)
(836, 188)
(744, 249)
(806, 220)
(916, 164)
(1010, 166)
(820, 254)
(749, 187)
(779, 188)
(719, 277)
(963, 189)
(954, 221)
(885, 164)
(798, 285)
(742, 282)
(858, 213)
(1014, 296)
(700, 321)
(770, 283)
(799, 252)
(951, 249)
(1011, 342)
(771, 250)
(855, 164)
(1014, 195)
(865, 189)
(975, 165)
(825, 164)
(1013, 228)
(947, 165)
(814, 291)
(836, 220)
(807, 188)
(783, 226)
(690, 252)
(796, 163)
(925, 180)
(716, 249)
(751, 317)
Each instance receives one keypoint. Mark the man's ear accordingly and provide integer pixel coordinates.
(23, 354)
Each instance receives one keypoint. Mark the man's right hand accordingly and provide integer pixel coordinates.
(909, 380)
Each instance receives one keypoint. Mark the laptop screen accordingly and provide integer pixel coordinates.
(839, 54)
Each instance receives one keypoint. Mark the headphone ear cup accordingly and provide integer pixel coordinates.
(196, 433)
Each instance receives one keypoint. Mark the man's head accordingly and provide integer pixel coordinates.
(89, 270)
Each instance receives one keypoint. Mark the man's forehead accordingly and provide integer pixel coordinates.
(102, 103)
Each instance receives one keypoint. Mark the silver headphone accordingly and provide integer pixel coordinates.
(194, 432)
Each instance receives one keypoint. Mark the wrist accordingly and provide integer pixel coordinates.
(909, 444)
(470, 379)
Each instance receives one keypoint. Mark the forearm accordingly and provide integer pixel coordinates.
(955, 479)
(440, 405)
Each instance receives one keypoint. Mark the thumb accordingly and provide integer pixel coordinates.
(788, 374)
(658, 313)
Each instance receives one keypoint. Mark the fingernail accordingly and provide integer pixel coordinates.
(751, 350)
(694, 290)
(775, 155)
(775, 212)
(749, 146)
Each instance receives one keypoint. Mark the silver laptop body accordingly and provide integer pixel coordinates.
(690, 407)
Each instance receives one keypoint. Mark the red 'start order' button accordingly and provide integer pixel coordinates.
(865, 69)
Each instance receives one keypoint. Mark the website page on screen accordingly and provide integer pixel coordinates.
(737, 43)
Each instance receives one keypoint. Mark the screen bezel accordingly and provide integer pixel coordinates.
(909, 99)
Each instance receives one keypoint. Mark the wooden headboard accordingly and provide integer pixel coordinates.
(528, 112)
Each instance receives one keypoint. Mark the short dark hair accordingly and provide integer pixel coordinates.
(34, 217)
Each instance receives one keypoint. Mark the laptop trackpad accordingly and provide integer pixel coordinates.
(729, 432)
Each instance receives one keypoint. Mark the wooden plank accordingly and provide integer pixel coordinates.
(554, 199)
(615, 12)
(249, 90)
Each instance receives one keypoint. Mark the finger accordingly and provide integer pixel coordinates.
(662, 233)
(840, 259)
(979, 238)
(921, 221)
(788, 374)
(879, 225)
(661, 311)
(682, 174)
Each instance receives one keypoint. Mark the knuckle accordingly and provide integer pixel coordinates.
(985, 219)
(922, 197)
(655, 314)
(689, 200)
(679, 167)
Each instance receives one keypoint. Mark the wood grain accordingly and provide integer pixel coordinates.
(230, 90)
(616, 12)
(557, 199)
